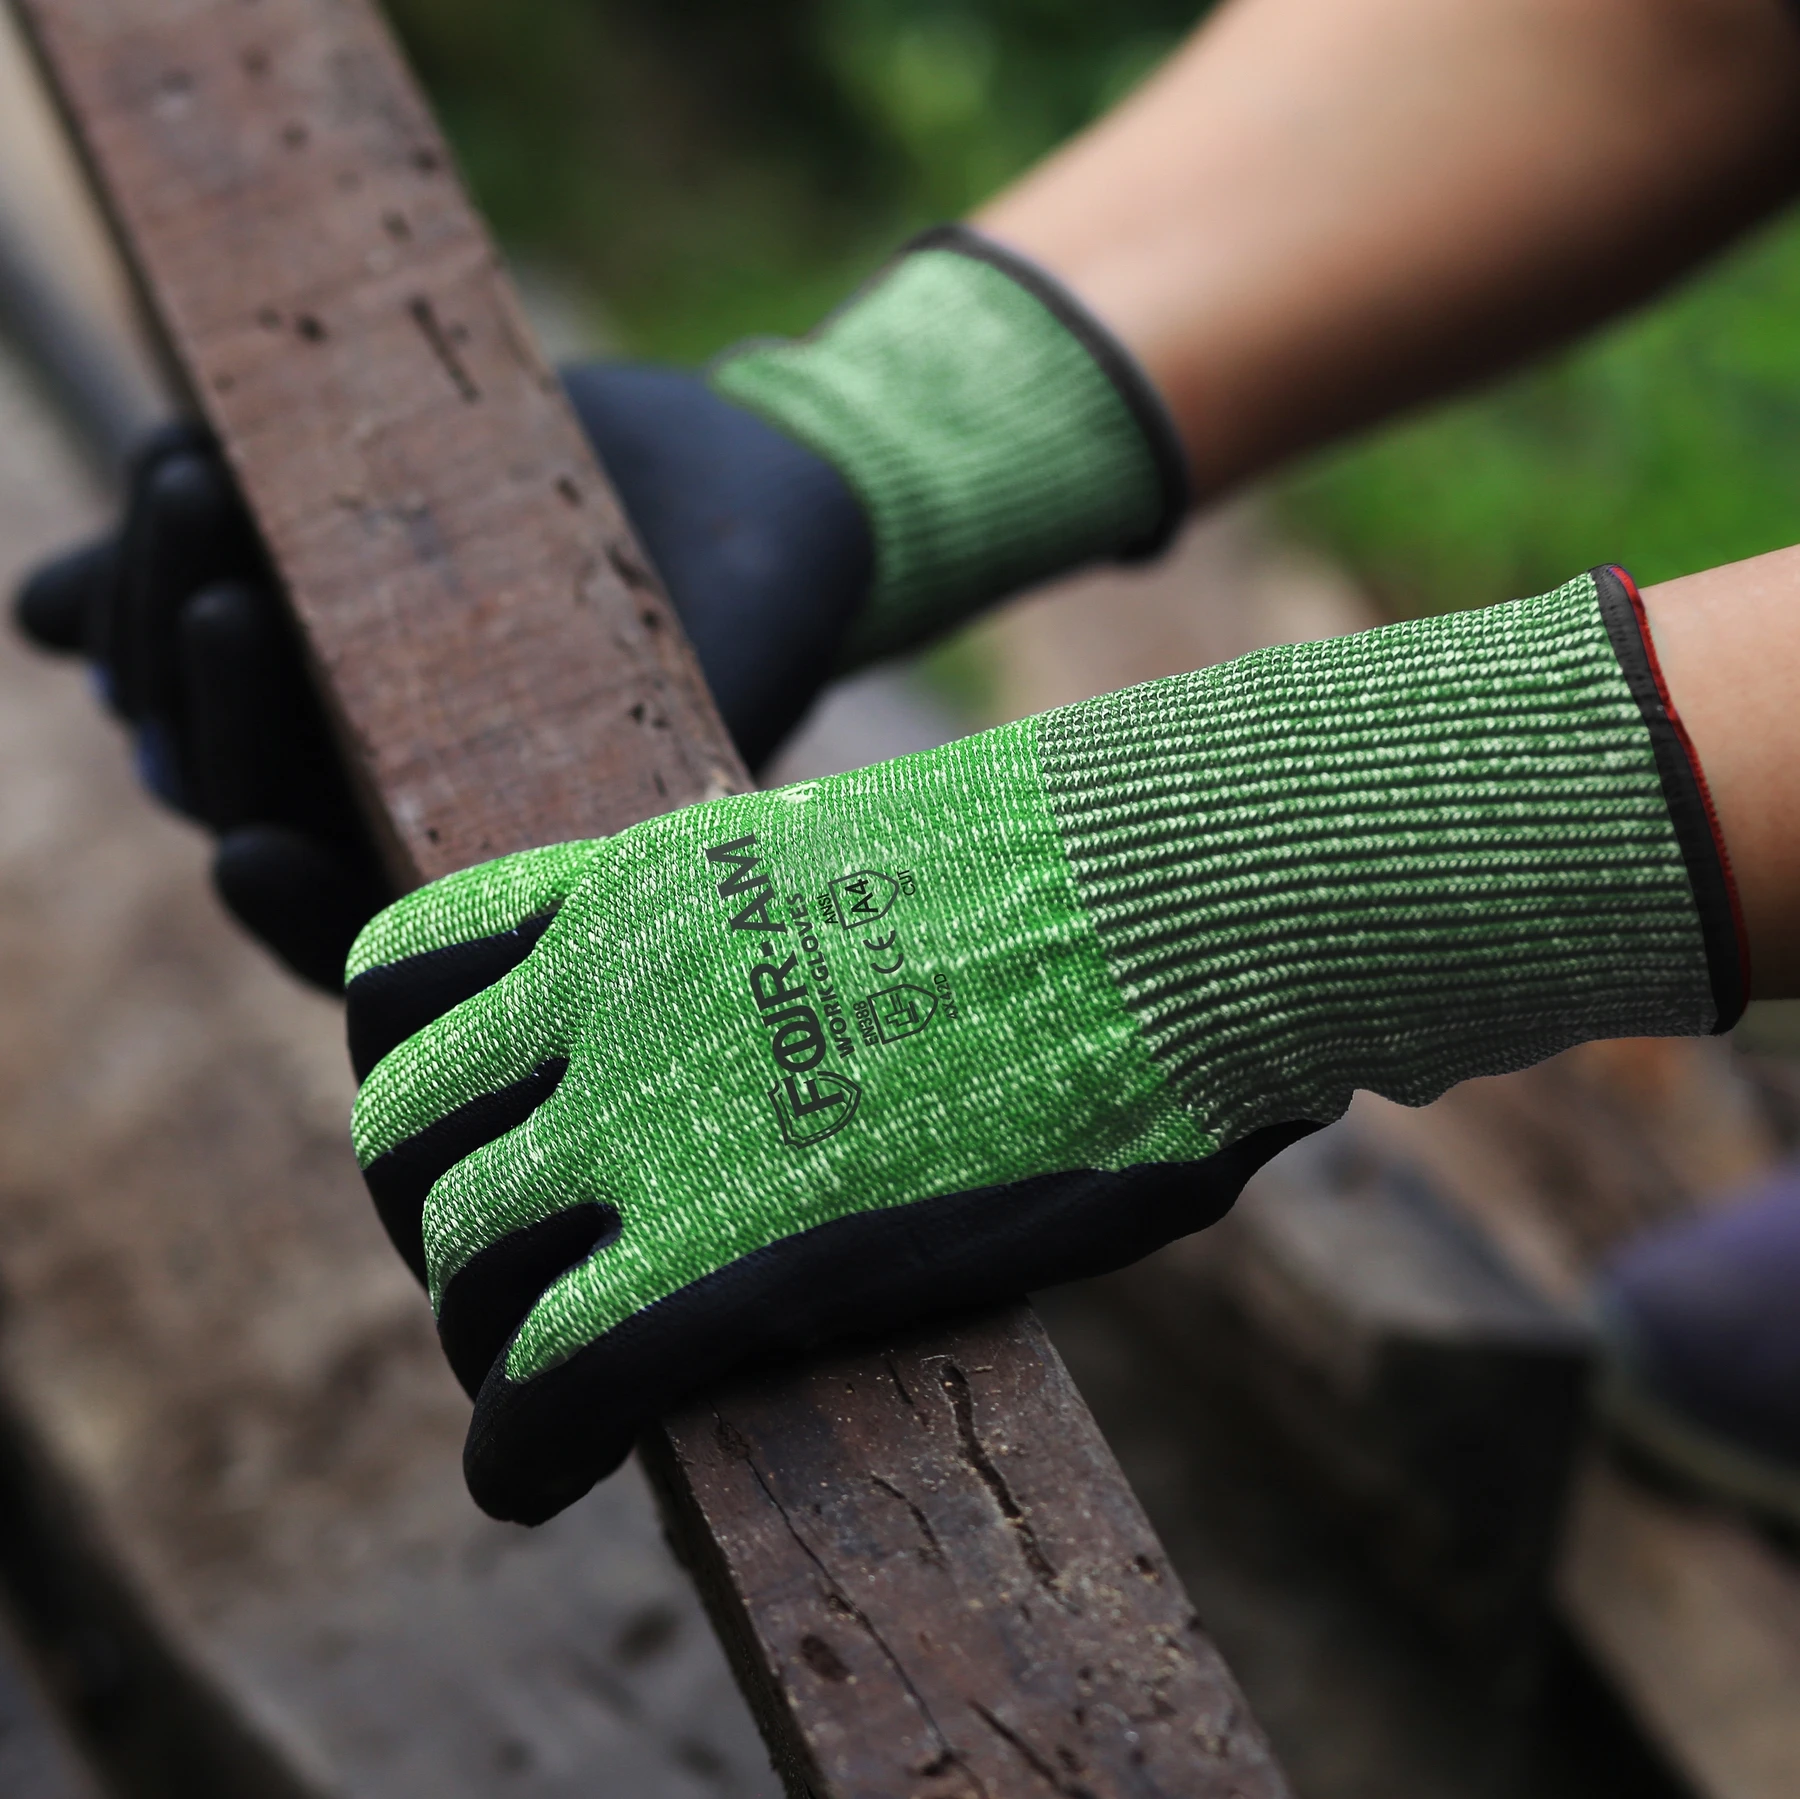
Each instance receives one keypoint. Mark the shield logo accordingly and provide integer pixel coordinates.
(902, 1011)
(811, 1108)
(864, 898)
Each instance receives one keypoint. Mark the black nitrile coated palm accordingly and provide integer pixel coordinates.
(766, 554)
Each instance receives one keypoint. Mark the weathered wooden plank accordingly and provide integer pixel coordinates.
(887, 1469)
(502, 664)
(1435, 1394)
(505, 671)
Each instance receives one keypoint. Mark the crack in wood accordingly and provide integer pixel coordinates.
(431, 328)
(934, 1550)
(893, 1369)
(1068, 1789)
(962, 1404)
(847, 1607)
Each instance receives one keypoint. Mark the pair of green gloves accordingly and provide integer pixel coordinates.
(809, 1062)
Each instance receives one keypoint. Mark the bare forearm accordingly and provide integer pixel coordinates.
(1323, 210)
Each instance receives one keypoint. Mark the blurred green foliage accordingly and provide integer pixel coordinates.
(1670, 443)
(712, 168)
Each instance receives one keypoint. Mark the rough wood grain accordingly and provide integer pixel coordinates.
(1419, 1380)
(503, 666)
(505, 671)
(979, 1606)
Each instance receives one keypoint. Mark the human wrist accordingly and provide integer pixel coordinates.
(995, 432)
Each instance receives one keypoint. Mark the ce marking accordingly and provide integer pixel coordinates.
(890, 942)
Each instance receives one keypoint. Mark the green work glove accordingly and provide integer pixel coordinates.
(994, 433)
(796, 1064)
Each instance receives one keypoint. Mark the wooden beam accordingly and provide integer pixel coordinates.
(928, 1568)
(1437, 1396)
(944, 1582)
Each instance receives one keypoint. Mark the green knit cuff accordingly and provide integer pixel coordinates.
(995, 433)
(1448, 848)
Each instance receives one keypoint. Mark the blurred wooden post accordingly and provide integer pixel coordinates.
(928, 1569)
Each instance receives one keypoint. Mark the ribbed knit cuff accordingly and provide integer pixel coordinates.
(1447, 848)
(995, 432)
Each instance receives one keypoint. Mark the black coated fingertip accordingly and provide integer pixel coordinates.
(304, 900)
(535, 1447)
(400, 1181)
(187, 531)
(176, 437)
(486, 1302)
(189, 487)
(255, 738)
(55, 602)
(386, 1005)
(233, 692)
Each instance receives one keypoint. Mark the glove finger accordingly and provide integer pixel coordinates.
(451, 1088)
(55, 602)
(401, 1180)
(187, 531)
(103, 626)
(258, 752)
(498, 1229)
(304, 899)
(537, 1443)
(540, 1440)
(234, 703)
(429, 952)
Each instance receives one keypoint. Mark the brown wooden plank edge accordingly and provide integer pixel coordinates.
(926, 1565)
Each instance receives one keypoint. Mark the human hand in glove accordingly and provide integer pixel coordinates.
(958, 431)
(796, 1064)
(177, 612)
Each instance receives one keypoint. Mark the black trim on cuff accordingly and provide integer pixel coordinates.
(1690, 809)
(1117, 363)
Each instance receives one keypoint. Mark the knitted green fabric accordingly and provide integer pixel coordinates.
(1391, 861)
(900, 1011)
(777, 1008)
(994, 435)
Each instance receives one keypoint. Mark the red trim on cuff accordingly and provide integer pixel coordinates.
(1687, 749)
